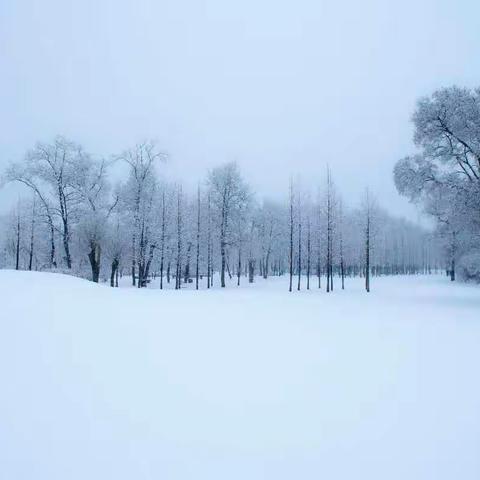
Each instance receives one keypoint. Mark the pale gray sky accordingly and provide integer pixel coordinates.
(282, 87)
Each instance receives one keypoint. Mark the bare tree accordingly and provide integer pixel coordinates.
(141, 160)
(17, 244)
(340, 232)
(197, 262)
(51, 171)
(32, 232)
(229, 192)
(368, 207)
(178, 269)
(209, 242)
(162, 239)
(299, 216)
(290, 256)
(330, 230)
(309, 251)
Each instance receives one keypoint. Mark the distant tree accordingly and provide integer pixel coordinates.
(197, 261)
(229, 193)
(368, 212)
(291, 229)
(341, 252)
(138, 197)
(330, 208)
(178, 269)
(32, 232)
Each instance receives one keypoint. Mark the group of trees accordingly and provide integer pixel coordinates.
(74, 220)
(444, 175)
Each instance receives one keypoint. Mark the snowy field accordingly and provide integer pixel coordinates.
(249, 383)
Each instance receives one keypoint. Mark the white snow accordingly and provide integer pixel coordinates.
(250, 383)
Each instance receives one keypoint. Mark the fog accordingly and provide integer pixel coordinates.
(282, 87)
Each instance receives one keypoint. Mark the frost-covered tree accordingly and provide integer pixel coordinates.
(138, 198)
(229, 194)
(444, 176)
(51, 171)
(160, 230)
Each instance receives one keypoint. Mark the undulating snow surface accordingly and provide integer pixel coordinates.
(249, 383)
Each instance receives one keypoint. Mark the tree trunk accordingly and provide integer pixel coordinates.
(66, 244)
(299, 253)
(197, 263)
(187, 265)
(17, 252)
(113, 273)
(162, 254)
(454, 252)
(209, 243)
(239, 267)
(291, 239)
(308, 254)
(53, 262)
(94, 257)
(133, 259)
(32, 236)
(251, 270)
(367, 255)
(178, 272)
(146, 269)
(223, 263)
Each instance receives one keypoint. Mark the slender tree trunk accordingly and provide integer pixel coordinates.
(342, 271)
(146, 270)
(162, 240)
(66, 229)
(17, 249)
(308, 254)
(319, 261)
(251, 271)
(223, 261)
(290, 257)
(113, 272)
(367, 255)
(328, 255)
(32, 236)
(53, 262)
(134, 240)
(227, 264)
(187, 264)
(329, 232)
(66, 244)
(141, 256)
(267, 263)
(179, 242)
(331, 274)
(239, 266)
(454, 252)
(299, 252)
(197, 273)
(209, 244)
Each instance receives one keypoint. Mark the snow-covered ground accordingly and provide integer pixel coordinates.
(249, 383)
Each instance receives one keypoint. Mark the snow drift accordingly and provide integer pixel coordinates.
(243, 383)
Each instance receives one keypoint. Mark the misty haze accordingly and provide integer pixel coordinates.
(239, 240)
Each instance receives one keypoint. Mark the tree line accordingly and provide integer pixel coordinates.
(74, 219)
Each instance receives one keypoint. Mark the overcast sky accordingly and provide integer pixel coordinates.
(283, 87)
